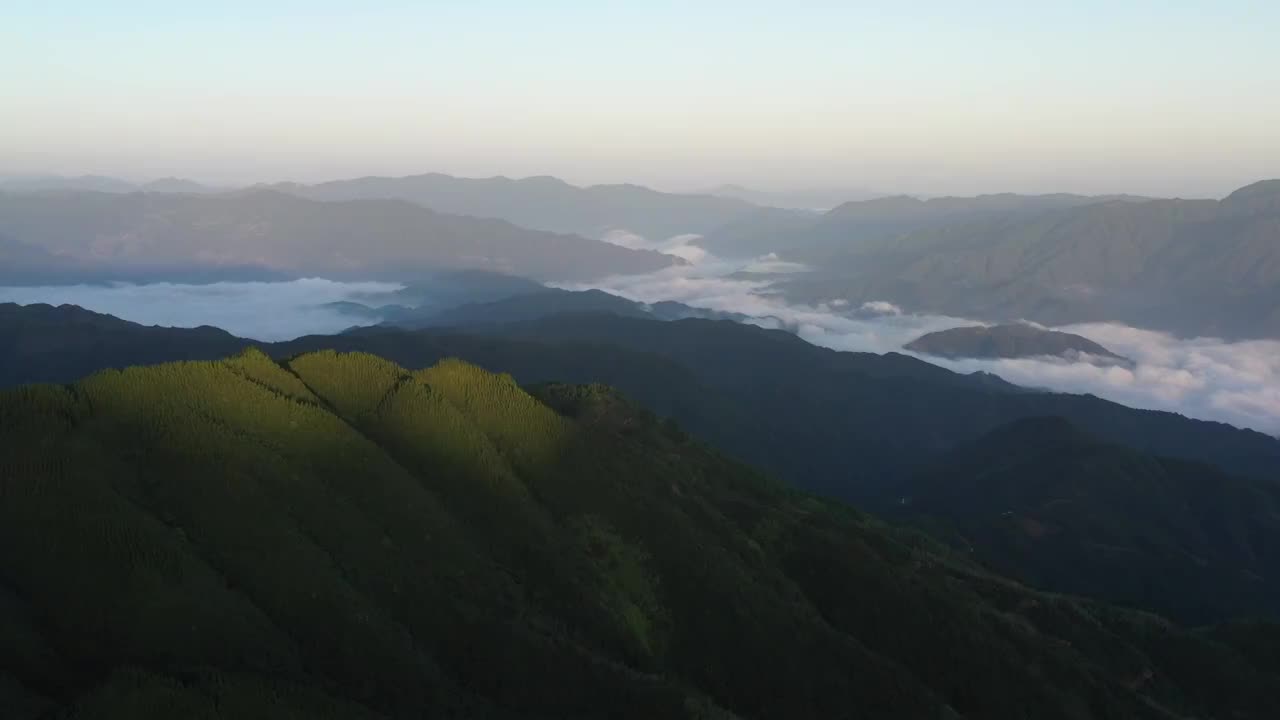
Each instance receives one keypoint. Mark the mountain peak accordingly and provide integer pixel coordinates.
(1260, 196)
(1262, 187)
(1016, 340)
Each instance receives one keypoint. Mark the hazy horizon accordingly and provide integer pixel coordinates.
(856, 192)
(1094, 98)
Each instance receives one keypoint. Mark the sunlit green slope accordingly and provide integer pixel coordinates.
(338, 537)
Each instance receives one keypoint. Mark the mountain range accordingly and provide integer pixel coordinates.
(849, 225)
(503, 308)
(80, 235)
(539, 203)
(1144, 509)
(101, 183)
(1192, 267)
(543, 203)
(334, 536)
(814, 199)
(766, 396)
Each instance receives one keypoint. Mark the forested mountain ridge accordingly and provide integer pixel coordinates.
(335, 536)
(849, 425)
(1045, 502)
(1193, 267)
(131, 235)
(43, 343)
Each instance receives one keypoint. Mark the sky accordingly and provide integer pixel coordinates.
(929, 97)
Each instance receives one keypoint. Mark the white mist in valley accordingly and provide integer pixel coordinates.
(1207, 378)
(265, 311)
(1233, 382)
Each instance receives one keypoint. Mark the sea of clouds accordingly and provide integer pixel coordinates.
(1207, 378)
(1233, 382)
(267, 311)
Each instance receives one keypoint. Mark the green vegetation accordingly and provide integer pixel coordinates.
(336, 536)
(847, 425)
(1144, 528)
(1046, 503)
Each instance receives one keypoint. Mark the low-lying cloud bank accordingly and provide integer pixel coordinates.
(1237, 382)
(1232, 382)
(265, 311)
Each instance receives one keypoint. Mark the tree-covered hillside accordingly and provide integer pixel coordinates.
(850, 425)
(338, 537)
(1044, 502)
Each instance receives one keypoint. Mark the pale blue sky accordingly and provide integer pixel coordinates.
(1171, 97)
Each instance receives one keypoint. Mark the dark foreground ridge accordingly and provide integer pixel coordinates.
(1053, 506)
(337, 537)
(850, 425)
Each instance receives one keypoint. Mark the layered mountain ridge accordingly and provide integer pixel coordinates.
(334, 536)
(73, 236)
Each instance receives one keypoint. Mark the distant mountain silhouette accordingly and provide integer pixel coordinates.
(811, 199)
(756, 233)
(45, 183)
(162, 233)
(546, 302)
(1193, 267)
(1018, 340)
(100, 183)
(178, 185)
(848, 225)
(431, 294)
(543, 203)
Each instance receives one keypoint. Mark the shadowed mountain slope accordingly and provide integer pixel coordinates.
(339, 537)
(850, 425)
(1042, 501)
